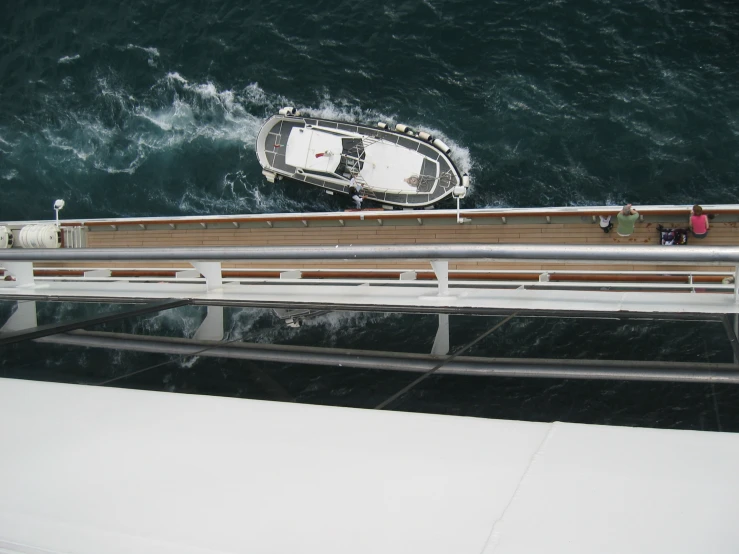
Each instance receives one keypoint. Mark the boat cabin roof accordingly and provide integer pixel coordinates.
(313, 150)
(392, 166)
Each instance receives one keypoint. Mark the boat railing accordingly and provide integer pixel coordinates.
(369, 141)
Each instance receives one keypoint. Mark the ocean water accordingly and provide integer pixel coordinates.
(150, 108)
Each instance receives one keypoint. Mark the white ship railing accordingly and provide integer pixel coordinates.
(702, 255)
(205, 272)
(495, 213)
(203, 280)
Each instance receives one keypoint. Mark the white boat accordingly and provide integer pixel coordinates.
(396, 167)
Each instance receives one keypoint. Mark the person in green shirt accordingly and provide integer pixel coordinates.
(626, 219)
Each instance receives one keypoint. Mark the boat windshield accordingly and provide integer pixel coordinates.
(352, 157)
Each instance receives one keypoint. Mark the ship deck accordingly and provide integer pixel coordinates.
(555, 226)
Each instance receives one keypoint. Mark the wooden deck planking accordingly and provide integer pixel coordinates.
(720, 235)
(577, 232)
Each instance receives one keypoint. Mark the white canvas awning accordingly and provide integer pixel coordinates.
(387, 166)
(313, 150)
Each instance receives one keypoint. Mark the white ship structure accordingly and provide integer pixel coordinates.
(91, 469)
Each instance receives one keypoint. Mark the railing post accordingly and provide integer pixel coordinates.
(22, 271)
(441, 340)
(212, 273)
(441, 268)
(736, 284)
(24, 317)
(212, 326)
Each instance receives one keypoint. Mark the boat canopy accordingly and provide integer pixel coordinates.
(313, 150)
(392, 167)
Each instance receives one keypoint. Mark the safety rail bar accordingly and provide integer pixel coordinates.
(207, 261)
(573, 211)
(609, 285)
(703, 255)
(42, 271)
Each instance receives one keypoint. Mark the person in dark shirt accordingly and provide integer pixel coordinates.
(356, 191)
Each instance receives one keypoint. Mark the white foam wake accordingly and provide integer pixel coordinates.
(174, 113)
(69, 59)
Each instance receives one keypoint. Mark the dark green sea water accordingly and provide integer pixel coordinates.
(152, 108)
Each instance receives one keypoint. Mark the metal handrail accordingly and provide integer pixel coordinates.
(703, 255)
(567, 211)
(682, 273)
(579, 285)
(392, 361)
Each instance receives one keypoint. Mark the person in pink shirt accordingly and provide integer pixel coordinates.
(699, 222)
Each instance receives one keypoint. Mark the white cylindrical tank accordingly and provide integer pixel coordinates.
(287, 110)
(6, 237)
(402, 128)
(382, 125)
(465, 180)
(425, 136)
(40, 236)
(441, 146)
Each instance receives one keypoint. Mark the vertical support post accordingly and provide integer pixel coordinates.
(212, 273)
(736, 334)
(24, 317)
(22, 271)
(441, 341)
(441, 268)
(97, 273)
(736, 284)
(212, 326)
(731, 333)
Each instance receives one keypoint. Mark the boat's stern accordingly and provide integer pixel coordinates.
(261, 145)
